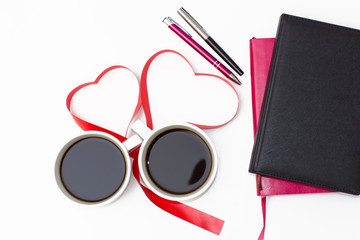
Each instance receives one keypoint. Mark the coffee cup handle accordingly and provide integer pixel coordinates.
(141, 129)
(132, 142)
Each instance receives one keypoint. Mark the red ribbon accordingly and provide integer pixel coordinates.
(145, 96)
(180, 210)
(86, 126)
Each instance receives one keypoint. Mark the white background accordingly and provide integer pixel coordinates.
(47, 48)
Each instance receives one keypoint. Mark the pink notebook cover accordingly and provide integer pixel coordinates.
(260, 58)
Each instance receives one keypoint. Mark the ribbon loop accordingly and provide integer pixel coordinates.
(145, 95)
(87, 126)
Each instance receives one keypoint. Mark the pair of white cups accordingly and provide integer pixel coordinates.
(144, 138)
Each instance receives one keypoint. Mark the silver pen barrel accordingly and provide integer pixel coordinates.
(193, 23)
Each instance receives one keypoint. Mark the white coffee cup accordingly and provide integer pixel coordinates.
(124, 148)
(146, 138)
(149, 136)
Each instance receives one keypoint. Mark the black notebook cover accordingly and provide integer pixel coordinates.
(309, 127)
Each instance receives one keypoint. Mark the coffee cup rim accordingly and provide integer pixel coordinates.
(160, 192)
(85, 135)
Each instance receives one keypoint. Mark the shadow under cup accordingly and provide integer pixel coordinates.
(92, 168)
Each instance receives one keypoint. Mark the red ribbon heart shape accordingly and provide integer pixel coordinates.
(87, 126)
(145, 95)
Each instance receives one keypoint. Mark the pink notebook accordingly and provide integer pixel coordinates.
(260, 59)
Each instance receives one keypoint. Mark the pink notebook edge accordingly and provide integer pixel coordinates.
(266, 186)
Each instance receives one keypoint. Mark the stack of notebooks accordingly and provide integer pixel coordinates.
(307, 85)
(260, 55)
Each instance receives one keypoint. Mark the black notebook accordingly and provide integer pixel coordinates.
(309, 127)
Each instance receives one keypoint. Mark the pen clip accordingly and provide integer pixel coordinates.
(169, 20)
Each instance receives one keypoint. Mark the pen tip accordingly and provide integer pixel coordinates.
(235, 79)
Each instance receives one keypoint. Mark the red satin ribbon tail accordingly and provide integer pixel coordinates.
(187, 213)
(180, 210)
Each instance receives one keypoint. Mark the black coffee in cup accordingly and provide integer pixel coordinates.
(92, 169)
(178, 161)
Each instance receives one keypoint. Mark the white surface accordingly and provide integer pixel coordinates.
(48, 48)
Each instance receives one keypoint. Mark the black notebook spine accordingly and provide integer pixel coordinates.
(267, 98)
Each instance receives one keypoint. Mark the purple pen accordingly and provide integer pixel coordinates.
(188, 39)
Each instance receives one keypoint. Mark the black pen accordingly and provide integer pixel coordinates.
(209, 40)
